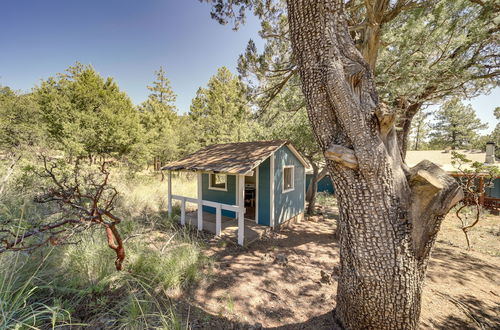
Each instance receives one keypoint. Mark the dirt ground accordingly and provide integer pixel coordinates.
(277, 283)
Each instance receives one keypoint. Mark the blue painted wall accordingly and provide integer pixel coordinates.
(324, 185)
(225, 197)
(495, 190)
(286, 205)
(264, 193)
(289, 204)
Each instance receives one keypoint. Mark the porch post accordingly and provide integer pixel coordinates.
(200, 202)
(241, 209)
(169, 193)
(183, 211)
(218, 221)
(271, 194)
(257, 195)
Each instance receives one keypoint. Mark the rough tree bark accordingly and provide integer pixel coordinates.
(389, 214)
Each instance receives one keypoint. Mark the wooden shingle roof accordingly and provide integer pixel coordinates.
(230, 158)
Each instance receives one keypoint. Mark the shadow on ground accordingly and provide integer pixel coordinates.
(255, 286)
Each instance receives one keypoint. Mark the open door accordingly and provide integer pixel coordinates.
(250, 196)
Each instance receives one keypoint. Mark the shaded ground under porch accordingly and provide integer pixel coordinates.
(229, 226)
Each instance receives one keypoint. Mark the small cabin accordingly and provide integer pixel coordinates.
(244, 184)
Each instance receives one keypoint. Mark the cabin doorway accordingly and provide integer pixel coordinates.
(250, 196)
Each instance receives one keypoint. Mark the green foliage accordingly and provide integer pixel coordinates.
(220, 112)
(429, 50)
(474, 178)
(159, 119)
(456, 125)
(286, 119)
(274, 87)
(20, 124)
(419, 132)
(495, 135)
(441, 48)
(469, 168)
(88, 115)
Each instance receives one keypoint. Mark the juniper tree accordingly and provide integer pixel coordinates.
(87, 115)
(419, 50)
(456, 125)
(389, 214)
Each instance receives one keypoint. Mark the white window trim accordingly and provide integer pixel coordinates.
(293, 179)
(216, 188)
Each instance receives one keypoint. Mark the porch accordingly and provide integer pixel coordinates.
(246, 230)
(229, 226)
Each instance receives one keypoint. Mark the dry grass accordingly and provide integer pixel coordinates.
(485, 236)
(77, 284)
(173, 281)
(150, 192)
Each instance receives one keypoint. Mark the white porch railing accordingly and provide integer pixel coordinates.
(238, 209)
(218, 213)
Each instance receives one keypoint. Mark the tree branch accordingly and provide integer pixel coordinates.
(342, 155)
(433, 193)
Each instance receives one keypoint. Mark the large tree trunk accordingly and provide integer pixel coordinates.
(389, 215)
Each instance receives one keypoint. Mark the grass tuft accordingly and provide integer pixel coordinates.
(77, 284)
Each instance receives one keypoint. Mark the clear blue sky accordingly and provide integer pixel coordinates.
(128, 40)
(125, 39)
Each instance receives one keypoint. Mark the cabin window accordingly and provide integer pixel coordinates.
(288, 178)
(217, 182)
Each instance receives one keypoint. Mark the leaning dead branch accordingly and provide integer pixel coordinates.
(83, 199)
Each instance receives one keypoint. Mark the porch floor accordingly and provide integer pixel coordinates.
(229, 226)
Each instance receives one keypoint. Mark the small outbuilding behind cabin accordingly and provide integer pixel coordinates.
(444, 159)
(324, 185)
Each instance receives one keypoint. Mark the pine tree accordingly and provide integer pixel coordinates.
(381, 203)
(220, 111)
(456, 125)
(420, 130)
(495, 135)
(159, 117)
(161, 91)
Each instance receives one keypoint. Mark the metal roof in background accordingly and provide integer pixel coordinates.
(443, 158)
